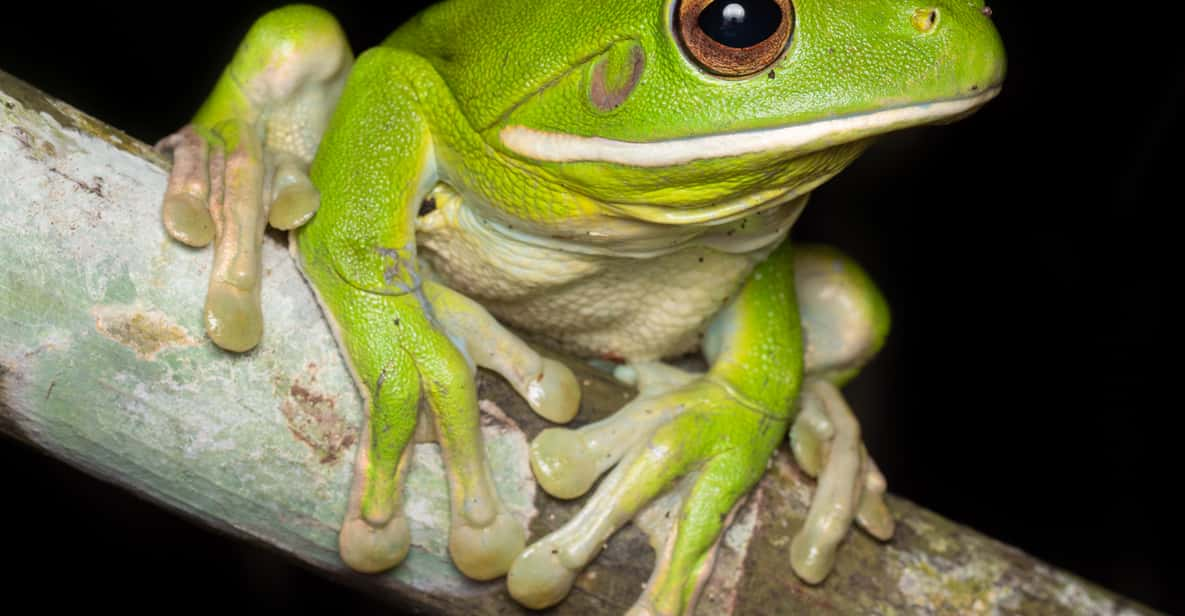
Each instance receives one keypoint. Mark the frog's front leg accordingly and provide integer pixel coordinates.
(243, 160)
(411, 344)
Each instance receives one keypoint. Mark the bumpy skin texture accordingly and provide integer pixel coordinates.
(596, 188)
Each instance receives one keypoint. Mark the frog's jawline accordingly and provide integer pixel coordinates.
(813, 136)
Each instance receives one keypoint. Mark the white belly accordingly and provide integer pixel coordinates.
(590, 301)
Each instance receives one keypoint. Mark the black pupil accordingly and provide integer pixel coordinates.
(741, 23)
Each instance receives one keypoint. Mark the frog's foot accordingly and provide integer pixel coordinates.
(844, 323)
(243, 162)
(826, 443)
(700, 430)
(417, 366)
(215, 192)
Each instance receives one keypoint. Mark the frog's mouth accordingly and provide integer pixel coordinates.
(809, 137)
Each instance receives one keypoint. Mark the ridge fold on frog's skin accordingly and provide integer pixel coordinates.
(800, 138)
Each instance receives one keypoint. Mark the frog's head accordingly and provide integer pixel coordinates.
(678, 106)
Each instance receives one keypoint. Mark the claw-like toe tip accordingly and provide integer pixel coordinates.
(562, 463)
(538, 578)
(371, 549)
(487, 552)
(187, 220)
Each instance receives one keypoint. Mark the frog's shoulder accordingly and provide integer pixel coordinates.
(493, 54)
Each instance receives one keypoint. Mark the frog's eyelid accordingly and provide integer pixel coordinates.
(562, 147)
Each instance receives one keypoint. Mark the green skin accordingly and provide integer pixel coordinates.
(583, 137)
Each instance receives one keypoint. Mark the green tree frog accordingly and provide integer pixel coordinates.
(611, 178)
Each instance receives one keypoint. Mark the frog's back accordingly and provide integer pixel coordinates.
(495, 53)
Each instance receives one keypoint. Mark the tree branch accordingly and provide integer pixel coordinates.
(104, 364)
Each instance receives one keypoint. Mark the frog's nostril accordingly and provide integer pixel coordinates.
(925, 19)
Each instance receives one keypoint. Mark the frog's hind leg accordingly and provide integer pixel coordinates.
(844, 324)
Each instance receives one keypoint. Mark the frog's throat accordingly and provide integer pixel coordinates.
(804, 138)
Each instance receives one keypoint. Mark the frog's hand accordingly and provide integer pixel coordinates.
(405, 339)
(244, 158)
(717, 431)
(845, 322)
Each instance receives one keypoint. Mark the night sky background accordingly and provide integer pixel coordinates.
(1029, 386)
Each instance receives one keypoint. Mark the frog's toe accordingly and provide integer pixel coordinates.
(185, 206)
(187, 219)
(873, 513)
(841, 484)
(562, 462)
(233, 317)
(539, 577)
(295, 199)
(370, 549)
(484, 553)
(555, 394)
(811, 434)
(567, 462)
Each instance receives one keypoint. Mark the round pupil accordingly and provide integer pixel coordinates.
(741, 23)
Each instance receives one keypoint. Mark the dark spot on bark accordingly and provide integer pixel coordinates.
(313, 418)
(96, 189)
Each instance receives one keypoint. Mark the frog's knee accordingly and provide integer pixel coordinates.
(296, 29)
(288, 48)
(844, 316)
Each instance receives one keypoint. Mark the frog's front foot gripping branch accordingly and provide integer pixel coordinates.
(711, 435)
(246, 158)
(243, 161)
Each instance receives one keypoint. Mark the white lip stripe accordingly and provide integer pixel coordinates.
(563, 148)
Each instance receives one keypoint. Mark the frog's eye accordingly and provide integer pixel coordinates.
(734, 38)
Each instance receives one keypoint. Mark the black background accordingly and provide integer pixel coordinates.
(1028, 387)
